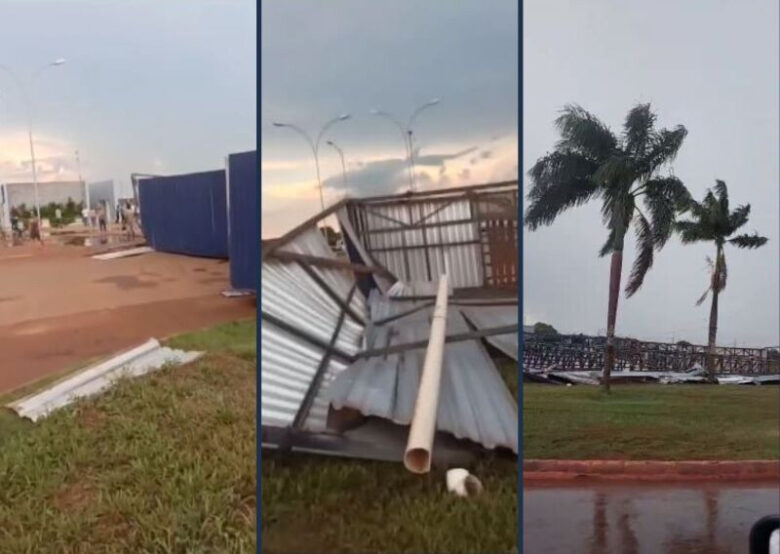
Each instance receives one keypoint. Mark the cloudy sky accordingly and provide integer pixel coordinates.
(714, 70)
(163, 87)
(322, 59)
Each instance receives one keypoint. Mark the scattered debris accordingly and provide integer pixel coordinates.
(344, 338)
(232, 293)
(696, 375)
(97, 378)
(462, 483)
(124, 253)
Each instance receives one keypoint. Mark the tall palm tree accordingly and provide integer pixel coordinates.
(591, 162)
(713, 222)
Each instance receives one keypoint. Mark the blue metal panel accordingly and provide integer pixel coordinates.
(186, 214)
(244, 237)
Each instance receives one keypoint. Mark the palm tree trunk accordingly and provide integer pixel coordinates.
(710, 364)
(614, 294)
(716, 287)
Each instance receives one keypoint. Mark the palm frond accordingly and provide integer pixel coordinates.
(748, 241)
(560, 180)
(638, 129)
(703, 297)
(609, 246)
(616, 172)
(617, 208)
(696, 209)
(584, 133)
(722, 192)
(692, 231)
(664, 196)
(644, 258)
(666, 145)
(739, 217)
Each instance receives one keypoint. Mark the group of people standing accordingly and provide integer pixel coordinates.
(124, 215)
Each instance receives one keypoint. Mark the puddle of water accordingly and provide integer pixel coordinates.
(713, 519)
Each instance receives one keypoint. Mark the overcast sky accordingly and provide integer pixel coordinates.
(322, 59)
(712, 67)
(163, 87)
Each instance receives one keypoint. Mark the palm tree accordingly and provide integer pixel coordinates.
(591, 162)
(713, 222)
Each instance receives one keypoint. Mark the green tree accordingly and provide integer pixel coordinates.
(544, 329)
(590, 162)
(711, 221)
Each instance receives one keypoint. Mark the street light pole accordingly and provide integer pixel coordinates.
(25, 90)
(406, 133)
(343, 165)
(315, 145)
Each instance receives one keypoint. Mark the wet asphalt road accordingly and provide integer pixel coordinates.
(644, 519)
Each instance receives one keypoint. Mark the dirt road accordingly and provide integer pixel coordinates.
(59, 307)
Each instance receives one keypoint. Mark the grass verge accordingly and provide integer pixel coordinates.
(658, 422)
(319, 504)
(163, 463)
(326, 504)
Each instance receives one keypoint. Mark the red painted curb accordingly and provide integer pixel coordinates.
(652, 470)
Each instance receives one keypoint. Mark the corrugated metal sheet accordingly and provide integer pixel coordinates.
(288, 363)
(360, 254)
(474, 401)
(244, 245)
(486, 317)
(186, 214)
(411, 264)
(96, 379)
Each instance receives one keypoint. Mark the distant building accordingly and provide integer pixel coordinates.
(13, 195)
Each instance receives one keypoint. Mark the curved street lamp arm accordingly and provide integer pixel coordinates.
(420, 110)
(393, 120)
(301, 132)
(325, 127)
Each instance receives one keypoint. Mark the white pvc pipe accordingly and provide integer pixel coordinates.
(417, 457)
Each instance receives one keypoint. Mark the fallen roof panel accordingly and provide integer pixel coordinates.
(97, 378)
(474, 402)
(486, 317)
(289, 362)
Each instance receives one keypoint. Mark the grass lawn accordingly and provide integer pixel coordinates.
(321, 504)
(659, 422)
(163, 463)
(326, 504)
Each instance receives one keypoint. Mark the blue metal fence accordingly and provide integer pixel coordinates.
(186, 214)
(244, 247)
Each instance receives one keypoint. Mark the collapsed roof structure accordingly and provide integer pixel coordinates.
(344, 334)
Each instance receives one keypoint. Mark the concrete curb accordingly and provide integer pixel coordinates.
(650, 470)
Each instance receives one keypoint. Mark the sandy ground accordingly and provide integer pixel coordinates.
(59, 307)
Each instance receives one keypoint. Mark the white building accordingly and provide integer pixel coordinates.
(13, 195)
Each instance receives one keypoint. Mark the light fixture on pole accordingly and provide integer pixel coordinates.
(25, 87)
(315, 145)
(406, 132)
(343, 165)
